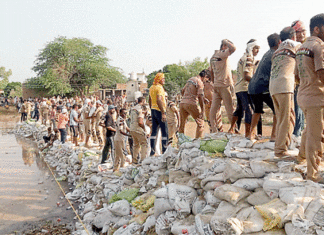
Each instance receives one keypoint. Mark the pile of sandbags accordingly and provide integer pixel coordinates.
(188, 190)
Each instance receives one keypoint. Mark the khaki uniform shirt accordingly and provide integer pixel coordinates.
(245, 64)
(282, 79)
(309, 59)
(171, 113)
(121, 125)
(135, 113)
(221, 69)
(192, 89)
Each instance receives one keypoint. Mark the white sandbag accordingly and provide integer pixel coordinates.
(251, 219)
(161, 192)
(120, 208)
(129, 230)
(286, 167)
(208, 210)
(202, 225)
(184, 193)
(164, 221)
(290, 229)
(161, 205)
(198, 161)
(275, 181)
(198, 206)
(218, 165)
(230, 226)
(231, 193)
(102, 216)
(227, 210)
(182, 206)
(315, 212)
(258, 198)
(211, 199)
(187, 225)
(260, 168)
(237, 169)
(212, 182)
(299, 195)
(249, 184)
(149, 223)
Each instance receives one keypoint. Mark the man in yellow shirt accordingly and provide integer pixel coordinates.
(158, 111)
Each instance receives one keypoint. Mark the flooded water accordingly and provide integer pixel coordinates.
(28, 192)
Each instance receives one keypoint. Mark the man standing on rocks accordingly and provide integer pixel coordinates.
(137, 131)
(192, 92)
(120, 139)
(223, 83)
(281, 86)
(300, 117)
(96, 121)
(310, 66)
(87, 121)
(74, 124)
(259, 86)
(158, 111)
(110, 133)
(173, 118)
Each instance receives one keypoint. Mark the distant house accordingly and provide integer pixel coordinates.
(135, 86)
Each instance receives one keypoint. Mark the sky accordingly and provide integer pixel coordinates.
(143, 34)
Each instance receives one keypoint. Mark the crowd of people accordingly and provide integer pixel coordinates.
(289, 79)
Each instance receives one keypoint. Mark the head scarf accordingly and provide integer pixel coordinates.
(158, 78)
(250, 47)
(298, 25)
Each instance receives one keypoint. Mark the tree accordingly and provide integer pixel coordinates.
(13, 86)
(176, 75)
(4, 77)
(73, 66)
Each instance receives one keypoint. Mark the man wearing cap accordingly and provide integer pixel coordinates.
(192, 93)
(110, 133)
(281, 86)
(310, 66)
(223, 82)
(300, 29)
(158, 110)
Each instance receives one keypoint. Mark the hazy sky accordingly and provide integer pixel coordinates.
(146, 34)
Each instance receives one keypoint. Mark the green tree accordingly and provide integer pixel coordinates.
(73, 66)
(13, 86)
(176, 75)
(4, 77)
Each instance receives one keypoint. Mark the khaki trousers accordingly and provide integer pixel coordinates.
(220, 94)
(284, 108)
(119, 155)
(44, 118)
(140, 145)
(311, 147)
(172, 129)
(87, 127)
(191, 109)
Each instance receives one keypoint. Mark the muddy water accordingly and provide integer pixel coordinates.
(28, 192)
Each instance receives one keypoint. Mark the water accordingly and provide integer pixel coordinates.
(28, 192)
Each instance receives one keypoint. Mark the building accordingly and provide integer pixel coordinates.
(135, 86)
